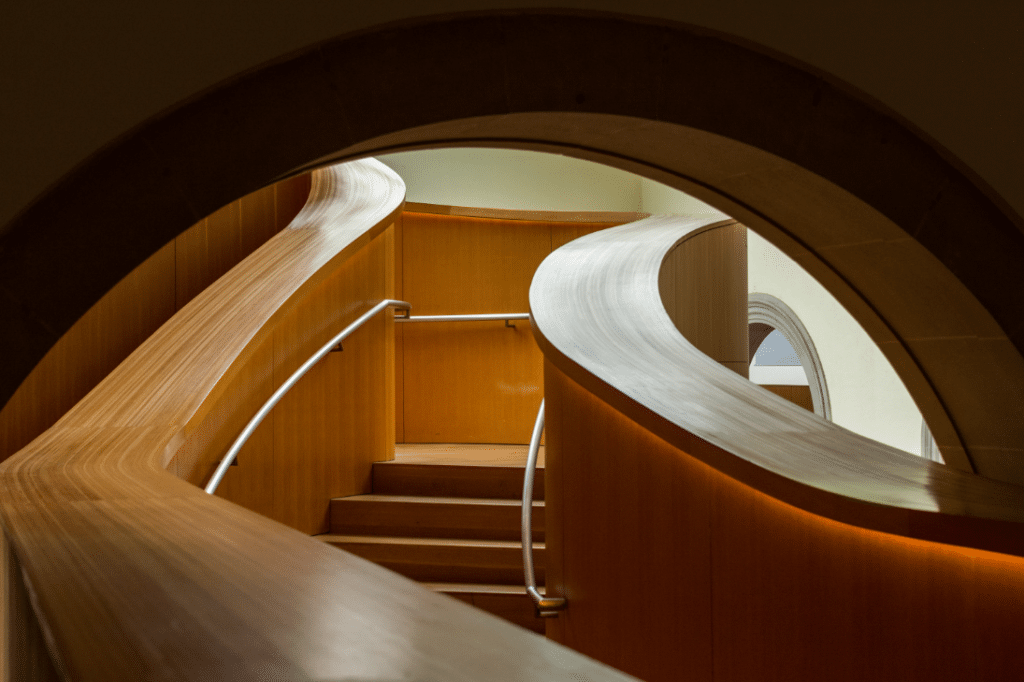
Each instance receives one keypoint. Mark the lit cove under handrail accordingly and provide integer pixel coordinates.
(547, 607)
(222, 468)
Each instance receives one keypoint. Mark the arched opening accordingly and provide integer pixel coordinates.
(877, 214)
(768, 314)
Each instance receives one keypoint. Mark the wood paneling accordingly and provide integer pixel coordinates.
(102, 338)
(399, 285)
(798, 395)
(703, 283)
(675, 571)
(563, 233)
(336, 421)
(470, 382)
(136, 574)
(23, 654)
(704, 529)
(599, 317)
(134, 309)
(473, 382)
(628, 540)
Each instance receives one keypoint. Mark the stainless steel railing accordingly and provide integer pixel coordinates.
(484, 317)
(547, 607)
(335, 342)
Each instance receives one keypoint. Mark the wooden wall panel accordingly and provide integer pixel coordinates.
(131, 311)
(321, 439)
(470, 382)
(675, 571)
(474, 382)
(334, 423)
(628, 541)
(398, 283)
(101, 339)
(798, 395)
(703, 284)
(23, 653)
(207, 250)
(563, 233)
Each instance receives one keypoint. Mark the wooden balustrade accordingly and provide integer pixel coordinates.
(134, 573)
(703, 528)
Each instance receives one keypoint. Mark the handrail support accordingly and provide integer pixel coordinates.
(546, 607)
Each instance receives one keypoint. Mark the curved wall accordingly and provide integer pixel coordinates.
(119, 63)
(866, 394)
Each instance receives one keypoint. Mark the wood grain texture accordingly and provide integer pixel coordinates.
(603, 289)
(703, 285)
(23, 654)
(140, 303)
(476, 382)
(399, 284)
(798, 395)
(139, 575)
(676, 571)
(470, 382)
(562, 217)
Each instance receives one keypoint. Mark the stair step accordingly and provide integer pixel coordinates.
(444, 559)
(505, 601)
(433, 480)
(433, 517)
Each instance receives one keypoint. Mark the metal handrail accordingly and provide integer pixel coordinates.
(335, 342)
(547, 607)
(483, 317)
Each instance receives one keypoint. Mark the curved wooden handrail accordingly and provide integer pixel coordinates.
(598, 317)
(136, 574)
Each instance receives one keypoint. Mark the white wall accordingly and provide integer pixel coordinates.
(864, 391)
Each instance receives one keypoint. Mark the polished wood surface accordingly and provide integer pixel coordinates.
(23, 654)
(320, 440)
(581, 217)
(704, 529)
(473, 382)
(140, 303)
(676, 571)
(703, 286)
(136, 574)
(470, 382)
(604, 288)
(798, 395)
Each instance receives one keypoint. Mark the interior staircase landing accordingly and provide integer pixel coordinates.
(448, 515)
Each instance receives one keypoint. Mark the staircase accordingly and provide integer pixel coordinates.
(449, 517)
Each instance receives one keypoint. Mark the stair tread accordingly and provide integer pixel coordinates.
(426, 499)
(437, 542)
(479, 588)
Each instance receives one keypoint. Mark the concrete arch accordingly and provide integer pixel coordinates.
(886, 221)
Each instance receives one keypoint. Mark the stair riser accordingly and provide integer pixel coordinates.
(439, 481)
(450, 564)
(411, 519)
